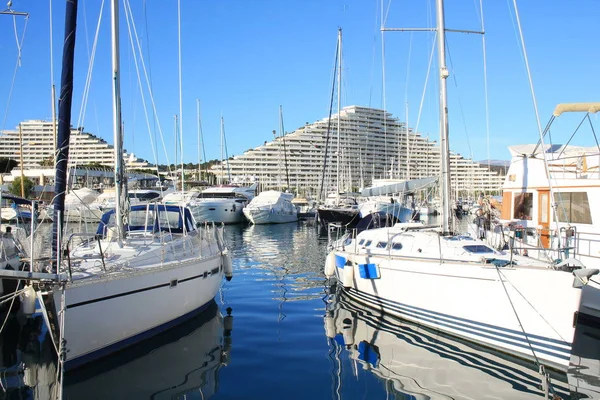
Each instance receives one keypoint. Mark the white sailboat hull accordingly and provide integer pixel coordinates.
(135, 304)
(470, 301)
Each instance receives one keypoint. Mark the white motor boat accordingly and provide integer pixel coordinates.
(222, 204)
(550, 217)
(271, 207)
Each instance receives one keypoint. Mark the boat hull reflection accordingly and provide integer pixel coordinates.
(177, 363)
(422, 364)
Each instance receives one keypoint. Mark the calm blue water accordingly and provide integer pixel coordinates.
(277, 331)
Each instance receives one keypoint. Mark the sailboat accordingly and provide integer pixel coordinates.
(145, 269)
(273, 206)
(339, 208)
(458, 284)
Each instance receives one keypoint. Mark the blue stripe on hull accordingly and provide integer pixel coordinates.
(105, 351)
(540, 343)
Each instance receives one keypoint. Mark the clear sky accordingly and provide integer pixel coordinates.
(244, 58)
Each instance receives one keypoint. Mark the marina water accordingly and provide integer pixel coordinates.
(278, 331)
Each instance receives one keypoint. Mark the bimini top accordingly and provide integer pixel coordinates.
(576, 107)
(151, 218)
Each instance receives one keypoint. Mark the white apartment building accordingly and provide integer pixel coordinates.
(38, 142)
(372, 145)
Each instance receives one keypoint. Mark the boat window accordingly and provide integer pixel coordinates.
(396, 246)
(361, 242)
(382, 245)
(368, 243)
(146, 196)
(573, 207)
(523, 206)
(169, 220)
(477, 248)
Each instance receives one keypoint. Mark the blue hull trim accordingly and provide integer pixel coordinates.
(105, 351)
(542, 345)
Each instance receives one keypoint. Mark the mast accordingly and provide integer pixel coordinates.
(224, 146)
(287, 175)
(444, 145)
(339, 98)
(199, 139)
(180, 91)
(64, 127)
(117, 126)
(21, 160)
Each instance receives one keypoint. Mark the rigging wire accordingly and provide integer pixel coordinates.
(425, 84)
(406, 112)
(146, 31)
(152, 99)
(383, 82)
(17, 65)
(485, 84)
(92, 58)
(462, 111)
(324, 173)
(535, 107)
(129, 20)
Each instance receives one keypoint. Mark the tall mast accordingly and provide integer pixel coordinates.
(64, 127)
(444, 145)
(222, 149)
(117, 126)
(180, 91)
(199, 138)
(339, 95)
(282, 133)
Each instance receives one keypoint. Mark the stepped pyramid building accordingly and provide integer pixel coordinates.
(38, 145)
(373, 145)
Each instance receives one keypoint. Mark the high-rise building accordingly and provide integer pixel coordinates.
(369, 144)
(38, 142)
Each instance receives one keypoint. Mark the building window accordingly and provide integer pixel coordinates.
(523, 206)
(573, 207)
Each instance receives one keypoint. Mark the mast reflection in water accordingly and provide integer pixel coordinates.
(416, 363)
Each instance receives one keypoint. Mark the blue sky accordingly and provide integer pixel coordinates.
(244, 58)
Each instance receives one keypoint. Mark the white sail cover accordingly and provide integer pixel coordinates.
(402, 187)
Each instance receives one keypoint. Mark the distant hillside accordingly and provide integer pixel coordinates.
(499, 166)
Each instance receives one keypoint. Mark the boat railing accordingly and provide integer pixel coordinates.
(566, 242)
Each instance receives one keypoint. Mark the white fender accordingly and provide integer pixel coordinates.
(227, 265)
(348, 278)
(28, 298)
(330, 265)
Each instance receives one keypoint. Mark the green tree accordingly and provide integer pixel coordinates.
(47, 162)
(15, 188)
